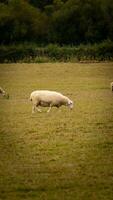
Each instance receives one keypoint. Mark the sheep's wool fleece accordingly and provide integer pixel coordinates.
(46, 95)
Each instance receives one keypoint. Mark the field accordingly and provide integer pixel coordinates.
(64, 154)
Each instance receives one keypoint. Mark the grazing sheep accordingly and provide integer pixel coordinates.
(49, 99)
(111, 86)
(3, 93)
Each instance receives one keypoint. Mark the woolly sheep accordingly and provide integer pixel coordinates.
(111, 86)
(49, 99)
(3, 93)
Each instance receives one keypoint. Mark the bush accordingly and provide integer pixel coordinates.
(32, 53)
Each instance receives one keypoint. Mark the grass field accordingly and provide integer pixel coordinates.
(61, 155)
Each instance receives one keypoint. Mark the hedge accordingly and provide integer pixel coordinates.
(31, 53)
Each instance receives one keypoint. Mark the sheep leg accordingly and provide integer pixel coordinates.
(49, 109)
(33, 109)
(38, 109)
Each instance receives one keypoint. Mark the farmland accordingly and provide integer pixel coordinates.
(63, 154)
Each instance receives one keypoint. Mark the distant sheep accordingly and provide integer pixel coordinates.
(3, 93)
(111, 86)
(49, 99)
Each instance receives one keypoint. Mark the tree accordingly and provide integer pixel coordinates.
(40, 3)
(19, 21)
(78, 21)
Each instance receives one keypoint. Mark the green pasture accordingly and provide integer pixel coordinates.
(64, 154)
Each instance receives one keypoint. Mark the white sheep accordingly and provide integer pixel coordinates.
(3, 93)
(111, 85)
(49, 99)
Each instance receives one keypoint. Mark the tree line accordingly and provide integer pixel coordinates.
(63, 22)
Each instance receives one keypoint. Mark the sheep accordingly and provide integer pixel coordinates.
(111, 85)
(3, 93)
(46, 98)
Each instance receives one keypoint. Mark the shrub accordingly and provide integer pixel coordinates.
(32, 53)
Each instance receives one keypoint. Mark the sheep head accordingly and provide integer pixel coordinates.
(70, 104)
